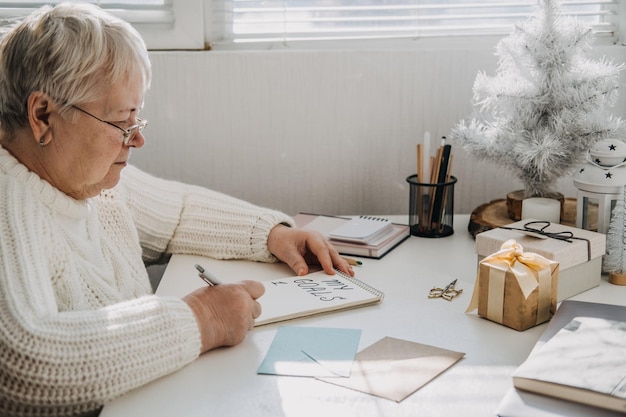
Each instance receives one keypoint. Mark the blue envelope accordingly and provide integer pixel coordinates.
(311, 352)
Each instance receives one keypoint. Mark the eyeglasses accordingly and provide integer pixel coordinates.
(129, 133)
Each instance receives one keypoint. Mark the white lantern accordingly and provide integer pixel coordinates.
(600, 182)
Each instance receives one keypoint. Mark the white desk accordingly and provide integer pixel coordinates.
(224, 382)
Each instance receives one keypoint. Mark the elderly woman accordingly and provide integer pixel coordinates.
(78, 323)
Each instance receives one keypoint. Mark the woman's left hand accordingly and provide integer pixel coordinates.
(298, 248)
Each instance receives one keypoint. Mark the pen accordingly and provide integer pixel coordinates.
(207, 276)
(442, 173)
(352, 262)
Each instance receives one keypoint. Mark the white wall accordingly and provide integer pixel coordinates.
(318, 131)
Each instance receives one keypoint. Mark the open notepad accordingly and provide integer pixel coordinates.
(286, 296)
(318, 292)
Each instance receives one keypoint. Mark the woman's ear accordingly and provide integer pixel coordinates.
(39, 108)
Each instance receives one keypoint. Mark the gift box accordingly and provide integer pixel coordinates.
(579, 252)
(516, 288)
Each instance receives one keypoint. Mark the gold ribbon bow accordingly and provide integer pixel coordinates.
(531, 271)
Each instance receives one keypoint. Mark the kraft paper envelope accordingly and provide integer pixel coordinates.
(395, 368)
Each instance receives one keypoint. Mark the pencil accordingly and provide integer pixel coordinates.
(420, 179)
(352, 262)
(420, 164)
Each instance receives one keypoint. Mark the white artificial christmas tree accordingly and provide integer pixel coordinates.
(615, 259)
(546, 105)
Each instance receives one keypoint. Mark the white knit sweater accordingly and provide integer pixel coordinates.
(79, 325)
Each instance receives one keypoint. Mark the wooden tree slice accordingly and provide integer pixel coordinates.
(495, 214)
(617, 279)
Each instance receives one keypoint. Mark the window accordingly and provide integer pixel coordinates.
(290, 22)
(164, 24)
(190, 24)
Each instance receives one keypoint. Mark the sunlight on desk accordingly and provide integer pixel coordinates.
(462, 396)
(224, 382)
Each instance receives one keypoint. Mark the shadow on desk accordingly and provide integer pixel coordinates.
(155, 273)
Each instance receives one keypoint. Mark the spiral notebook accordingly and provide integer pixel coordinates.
(286, 296)
(315, 293)
(377, 248)
(362, 229)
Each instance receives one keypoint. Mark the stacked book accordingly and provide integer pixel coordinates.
(365, 236)
(577, 368)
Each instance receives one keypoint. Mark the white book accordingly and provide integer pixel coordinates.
(584, 362)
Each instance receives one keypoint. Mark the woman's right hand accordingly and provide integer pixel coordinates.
(225, 312)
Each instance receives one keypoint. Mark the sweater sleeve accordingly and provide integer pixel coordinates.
(172, 217)
(62, 363)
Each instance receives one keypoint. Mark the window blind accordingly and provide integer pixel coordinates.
(138, 11)
(164, 24)
(290, 21)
